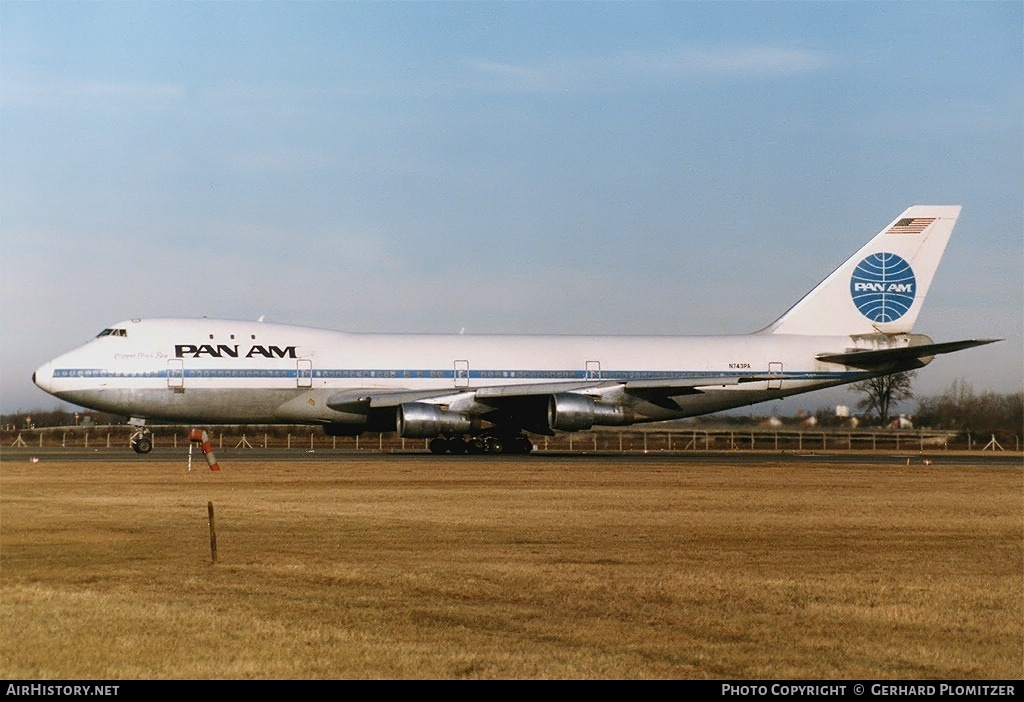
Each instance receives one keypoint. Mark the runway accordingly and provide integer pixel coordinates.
(341, 456)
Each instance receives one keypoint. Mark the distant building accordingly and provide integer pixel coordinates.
(901, 422)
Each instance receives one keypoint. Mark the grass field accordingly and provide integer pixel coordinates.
(511, 568)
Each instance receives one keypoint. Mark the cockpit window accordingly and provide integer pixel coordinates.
(113, 332)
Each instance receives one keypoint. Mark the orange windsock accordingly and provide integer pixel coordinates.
(200, 436)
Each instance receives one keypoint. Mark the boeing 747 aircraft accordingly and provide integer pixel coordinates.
(487, 393)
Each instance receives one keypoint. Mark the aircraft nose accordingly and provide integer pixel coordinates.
(43, 377)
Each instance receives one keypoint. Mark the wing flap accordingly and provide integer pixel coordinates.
(669, 387)
(497, 392)
(362, 399)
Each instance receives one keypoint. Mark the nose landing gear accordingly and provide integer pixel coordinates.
(142, 440)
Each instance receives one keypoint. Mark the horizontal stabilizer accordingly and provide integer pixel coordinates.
(871, 360)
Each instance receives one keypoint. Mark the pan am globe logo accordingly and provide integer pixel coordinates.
(883, 287)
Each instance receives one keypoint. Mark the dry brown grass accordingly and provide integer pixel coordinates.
(521, 568)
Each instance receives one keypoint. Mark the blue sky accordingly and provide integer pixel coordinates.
(665, 168)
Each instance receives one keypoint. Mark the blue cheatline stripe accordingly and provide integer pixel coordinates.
(485, 375)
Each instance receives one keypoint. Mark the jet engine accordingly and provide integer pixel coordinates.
(419, 420)
(572, 412)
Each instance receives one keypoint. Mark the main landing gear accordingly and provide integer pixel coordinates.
(483, 443)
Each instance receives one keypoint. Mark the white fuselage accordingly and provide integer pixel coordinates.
(221, 371)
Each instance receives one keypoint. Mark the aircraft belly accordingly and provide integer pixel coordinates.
(222, 406)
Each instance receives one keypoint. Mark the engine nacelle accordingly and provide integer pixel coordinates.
(572, 412)
(419, 420)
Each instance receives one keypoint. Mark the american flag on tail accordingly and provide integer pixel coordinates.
(910, 225)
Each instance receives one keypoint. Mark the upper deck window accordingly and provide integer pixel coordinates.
(113, 332)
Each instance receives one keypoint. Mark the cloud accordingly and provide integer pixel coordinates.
(632, 69)
(43, 91)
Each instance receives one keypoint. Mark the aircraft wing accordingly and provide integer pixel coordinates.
(873, 360)
(362, 399)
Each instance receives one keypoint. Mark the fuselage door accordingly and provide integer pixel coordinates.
(593, 370)
(304, 373)
(176, 374)
(462, 374)
(774, 368)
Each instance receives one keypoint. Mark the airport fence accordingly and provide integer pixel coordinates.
(647, 440)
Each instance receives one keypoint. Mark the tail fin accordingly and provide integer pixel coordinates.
(881, 288)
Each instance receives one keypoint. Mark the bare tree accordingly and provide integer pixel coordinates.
(958, 407)
(882, 392)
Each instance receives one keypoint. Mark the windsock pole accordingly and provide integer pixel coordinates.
(200, 436)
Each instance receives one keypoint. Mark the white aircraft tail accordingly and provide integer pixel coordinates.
(880, 289)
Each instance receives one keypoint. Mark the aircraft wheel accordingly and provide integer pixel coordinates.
(495, 445)
(457, 445)
(142, 445)
(524, 445)
(475, 446)
(438, 445)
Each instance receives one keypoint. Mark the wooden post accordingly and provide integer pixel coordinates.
(213, 533)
